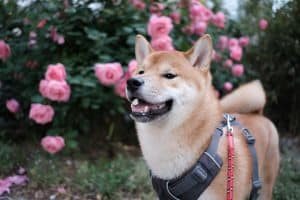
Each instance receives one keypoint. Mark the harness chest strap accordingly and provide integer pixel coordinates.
(192, 184)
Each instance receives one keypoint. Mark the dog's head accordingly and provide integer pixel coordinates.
(168, 84)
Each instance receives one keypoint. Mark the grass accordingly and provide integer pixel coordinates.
(122, 177)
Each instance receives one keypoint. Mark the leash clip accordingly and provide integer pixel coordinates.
(228, 123)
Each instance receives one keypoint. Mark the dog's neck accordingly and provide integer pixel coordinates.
(170, 151)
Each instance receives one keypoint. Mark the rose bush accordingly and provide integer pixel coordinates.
(93, 46)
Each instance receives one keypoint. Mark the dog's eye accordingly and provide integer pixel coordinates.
(169, 75)
(141, 72)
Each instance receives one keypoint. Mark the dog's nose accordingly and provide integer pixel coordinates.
(134, 83)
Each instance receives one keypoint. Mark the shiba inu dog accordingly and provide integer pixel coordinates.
(176, 111)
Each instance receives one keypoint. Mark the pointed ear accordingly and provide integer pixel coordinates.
(200, 54)
(142, 49)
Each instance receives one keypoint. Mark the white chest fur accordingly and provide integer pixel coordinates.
(166, 159)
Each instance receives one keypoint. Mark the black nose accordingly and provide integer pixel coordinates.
(134, 83)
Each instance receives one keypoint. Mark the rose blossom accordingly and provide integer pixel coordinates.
(163, 43)
(198, 12)
(41, 23)
(233, 42)
(12, 105)
(228, 86)
(215, 56)
(200, 28)
(237, 70)
(120, 87)
(132, 66)
(244, 41)
(219, 19)
(138, 4)
(223, 42)
(56, 72)
(4, 50)
(227, 63)
(188, 29)
(263, 24)
(41, 114)
(156, 8)
(159, 26)
(55, 90)
(236, 53)
(53, 144)
(175, 16)
(109, 73)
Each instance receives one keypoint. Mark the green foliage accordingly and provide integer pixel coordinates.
(277, 62)
(10, 158)
(105, 176)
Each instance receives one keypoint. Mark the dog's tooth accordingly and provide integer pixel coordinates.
(146, 109)
(135, 102)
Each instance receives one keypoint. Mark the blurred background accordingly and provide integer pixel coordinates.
(65, 130)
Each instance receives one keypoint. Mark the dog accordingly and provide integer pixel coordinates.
(176, 111)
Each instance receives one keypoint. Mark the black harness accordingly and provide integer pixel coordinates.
(192, 184)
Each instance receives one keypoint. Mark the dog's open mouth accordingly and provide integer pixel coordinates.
(143, 111)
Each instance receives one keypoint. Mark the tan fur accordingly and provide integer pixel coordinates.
(248, 98)
(173, 143)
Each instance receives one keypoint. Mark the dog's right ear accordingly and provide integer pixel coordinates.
(142, 49)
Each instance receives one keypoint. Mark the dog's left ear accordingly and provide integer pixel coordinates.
(200, 54)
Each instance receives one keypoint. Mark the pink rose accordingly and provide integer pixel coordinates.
(138, 4)
(198, 12)
(188, 29)
(219, 19)
(120, 87)
(4, 50)
(163, 43)
(200, 28)
(215, 56)
(132, 66)
(223, 42)
(60, 39)
(12, 105)
(156, 8)
(175, 16)
(41, 23)
(159, 26)
(237, 70)
(56, 72)
(244, 41)
(41, 114)
(109, 73)
(236, 53)
(5, 185)
(55, 90)
(43, 88)
(18, 179)
(263, 24)
(227, 86)
(233, 42)
(227, 63)
(53, 144)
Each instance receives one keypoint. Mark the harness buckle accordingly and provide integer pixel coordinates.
(256, 184)
(199, 173)
(249, 137)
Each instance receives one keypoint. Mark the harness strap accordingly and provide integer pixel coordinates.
(192, 184)
(256, 182)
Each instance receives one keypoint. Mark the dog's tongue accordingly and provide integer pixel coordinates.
(138, 106)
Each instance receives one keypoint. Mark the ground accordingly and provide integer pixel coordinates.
(119, 174)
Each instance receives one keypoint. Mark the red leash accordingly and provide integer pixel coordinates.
(230, 160)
